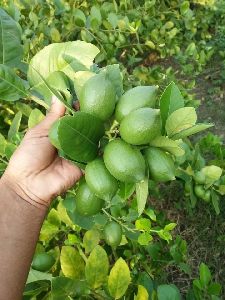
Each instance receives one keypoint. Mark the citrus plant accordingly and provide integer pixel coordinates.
(103, 240)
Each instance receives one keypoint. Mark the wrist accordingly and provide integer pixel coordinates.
(19, 192)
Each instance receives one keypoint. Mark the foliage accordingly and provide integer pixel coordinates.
(137, 34)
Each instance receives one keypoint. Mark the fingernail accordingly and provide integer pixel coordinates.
(54, 99)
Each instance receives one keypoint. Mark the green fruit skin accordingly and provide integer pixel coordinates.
(207, 196)
(138, 97)
(141, 126)
(161, 165)
(187, 187)
(113, 234)
(199, 191)
(124, 162)
(100, 181)
(42, 262)
(98, 97)
(87, 204)
(199, 177)
(53, 134)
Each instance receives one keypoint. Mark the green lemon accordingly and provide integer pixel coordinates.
(98, 97)
(140, 96)
(122, 38)
(100, 181)
(161, 165)
(111, 38)
(199, 191)
(124, 162)
(87, 204)
(199, 177)
(141, 126)
(207, 196)
(42, 262)
(113, 234)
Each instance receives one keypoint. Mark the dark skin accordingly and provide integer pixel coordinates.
(34, 177)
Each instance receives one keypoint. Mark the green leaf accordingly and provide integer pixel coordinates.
(68, 57)
(170, 226)
(126, 190)
(113, 19)
(95, 17)
(2, 144)
(168, 292)
(9, 150)
(151, 214)
(192, 130)
(168, 145)
(143, 224)
(114, 75)
(180, 119)
(142, 195)
(11, 50)
(48, 231)
(214, 289)
(14, 127)
(212, 174)
(91, 240)
(204, 274)
(36, 116)
(63, 287)
(12, 86)
(142, 293)
(79, 17)
(119, 279)
(170, 101)
(72, 263)
(37, 276)
(62, 213)
(97, 267)
(144, 238)
(85, 131)
(215, 202)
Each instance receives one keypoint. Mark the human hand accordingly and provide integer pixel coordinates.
(35, 171)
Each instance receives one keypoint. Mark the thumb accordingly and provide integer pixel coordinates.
(57, 110)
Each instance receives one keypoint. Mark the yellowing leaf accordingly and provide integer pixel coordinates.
(142, 195)
(119, 279)
(97, 267)
(36, 116)
(72, 263)
(142, 293)
(91, 240)
(168, 145)
(180, 119)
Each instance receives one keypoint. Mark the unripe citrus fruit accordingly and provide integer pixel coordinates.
(199, 191)
(87, 204)
(161, 165)
(113, 234)
(99, 180)
(124, 162)
(42, 262)
(207, 196)
(140, 96)
(141, 126)
(98, 97)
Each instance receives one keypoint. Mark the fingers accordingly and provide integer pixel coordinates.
(57, 110)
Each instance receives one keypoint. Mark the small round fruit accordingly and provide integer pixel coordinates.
(122, 38)
(140, 96)
(113, 234)
(207, 196)
(87, 204)
(141, 126)
(199, 191)
(42, 262)
(100, 181)
(161, 165)
(199, 177)
(98, 97)
(124, 162)
(111, 38)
